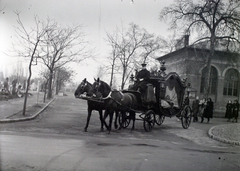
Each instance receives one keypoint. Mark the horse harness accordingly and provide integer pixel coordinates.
(119, 103)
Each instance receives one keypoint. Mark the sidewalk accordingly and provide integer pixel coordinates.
(10, 111)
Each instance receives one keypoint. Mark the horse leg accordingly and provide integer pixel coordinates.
(123, 115)
(110, 121)
(101, 119)
(88, 118)
(116, 118)
(133, 117)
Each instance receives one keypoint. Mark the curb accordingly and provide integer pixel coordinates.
(27, 118)
(221, 139)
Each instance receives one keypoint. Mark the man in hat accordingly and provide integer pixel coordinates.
(142, 79)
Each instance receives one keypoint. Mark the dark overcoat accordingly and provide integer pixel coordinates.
(235, 110)
(228, 113)
(142, 79)
(195, 108)
(209, 110)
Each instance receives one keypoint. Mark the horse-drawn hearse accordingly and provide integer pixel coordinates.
(166, 95)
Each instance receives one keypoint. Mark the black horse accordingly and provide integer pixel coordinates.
(85, 88)
(116, 101)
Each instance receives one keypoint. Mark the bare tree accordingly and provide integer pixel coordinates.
(170, 43)
(100, 72)
(114, 55)
(131, 41)
(131, 47)
(29, 42)
(212, 19)
(151, 46)
(63, 75)
(62, 45)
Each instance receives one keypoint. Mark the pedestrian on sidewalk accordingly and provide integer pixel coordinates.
(228, 113)
(202, 107)
(6, 86)
(235, 110)
(208, 112)
(195, 108)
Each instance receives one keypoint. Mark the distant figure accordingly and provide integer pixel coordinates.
(235, 110)
(14, 84)
(6, 86)
(202, 107)
(19, 93)
(195, 108)
(208, 113)
(228, 113)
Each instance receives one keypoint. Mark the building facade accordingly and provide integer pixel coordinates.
(190, 63)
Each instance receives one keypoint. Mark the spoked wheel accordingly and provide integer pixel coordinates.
(149, 121)
(186, 116)
(159, 119)
(124, 119)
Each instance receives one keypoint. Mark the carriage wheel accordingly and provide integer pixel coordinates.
(124, 119)
(186, 116)
(149, 121)
(159, 119)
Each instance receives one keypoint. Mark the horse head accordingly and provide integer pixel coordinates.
(101, 87)
(83, 87)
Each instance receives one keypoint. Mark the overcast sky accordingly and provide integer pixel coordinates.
(99, 17)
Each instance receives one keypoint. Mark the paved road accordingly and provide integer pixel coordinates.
(55, 152)
(56, 141)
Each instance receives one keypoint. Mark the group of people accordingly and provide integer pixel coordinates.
(202, 108)
(232, 110)
(11, 89)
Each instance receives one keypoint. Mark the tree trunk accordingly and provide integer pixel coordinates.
(57, 86)
(57, 82)
(28, 84)
(49, 95)
(111, 79)
(45, 91)
(29, 78)
(208, 70)
(123, 77)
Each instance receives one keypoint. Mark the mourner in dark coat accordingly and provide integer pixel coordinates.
(6, 86)
(228, 113)
(208, 113)
(235, 110)
(142, 79)
(195, 108)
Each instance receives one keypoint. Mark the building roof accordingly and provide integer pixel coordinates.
(191, 48)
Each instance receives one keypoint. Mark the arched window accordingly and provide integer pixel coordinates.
(231, 83)
(213, 80)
